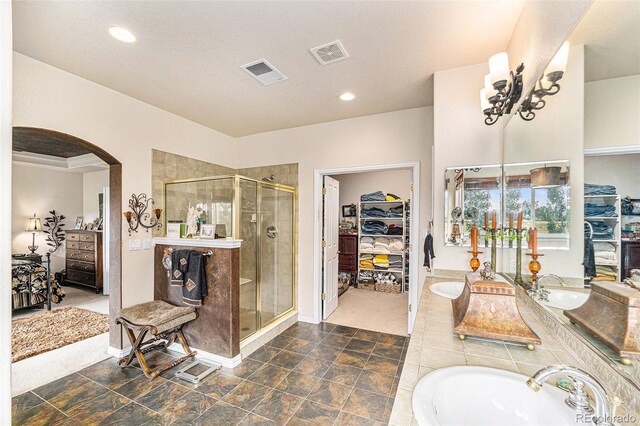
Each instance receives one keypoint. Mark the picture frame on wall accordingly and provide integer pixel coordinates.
(79, 222)
(349, 210)
(207, 231)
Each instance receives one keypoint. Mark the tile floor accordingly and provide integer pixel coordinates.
(310, 374)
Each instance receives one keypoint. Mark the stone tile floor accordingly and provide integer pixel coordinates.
(319, 374)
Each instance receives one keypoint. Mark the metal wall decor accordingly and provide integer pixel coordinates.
(137, 215)
(53, 228)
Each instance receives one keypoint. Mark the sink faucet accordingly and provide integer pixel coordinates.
(578, 398)
(560, 280)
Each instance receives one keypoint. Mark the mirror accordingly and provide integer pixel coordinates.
(591, 125)
(472, 195)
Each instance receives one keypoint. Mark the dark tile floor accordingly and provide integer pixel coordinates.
(310, 374)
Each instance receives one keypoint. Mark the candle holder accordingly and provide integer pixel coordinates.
(493, 247)
(510, 232)
(486, 235)
(474, 262)
(518, 278)
(534, 267)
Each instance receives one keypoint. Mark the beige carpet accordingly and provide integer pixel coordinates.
(51, 330)
(372, 310)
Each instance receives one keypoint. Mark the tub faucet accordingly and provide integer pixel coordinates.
(578, 399)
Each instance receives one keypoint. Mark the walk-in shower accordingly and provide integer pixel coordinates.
(262, 215)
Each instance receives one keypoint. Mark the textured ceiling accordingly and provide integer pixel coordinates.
(610, 31)
(188, 55)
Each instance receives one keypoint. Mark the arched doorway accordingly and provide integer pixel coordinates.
(45, 140)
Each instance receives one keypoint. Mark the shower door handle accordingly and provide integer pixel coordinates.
(272, 231)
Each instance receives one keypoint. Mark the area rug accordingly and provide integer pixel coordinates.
(50, 330)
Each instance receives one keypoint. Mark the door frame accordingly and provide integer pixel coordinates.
(413, 235)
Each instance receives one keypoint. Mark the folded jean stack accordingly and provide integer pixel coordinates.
(374, 227)
(379, 196)
(601, 231)
(606, 261)
(593, 189)
(599, 210)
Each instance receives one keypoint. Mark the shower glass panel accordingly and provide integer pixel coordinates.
(248, 232)
(262, 215)
(212, 198)
(276, 252)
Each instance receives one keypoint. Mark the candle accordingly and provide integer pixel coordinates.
(486, 219)
(520, 219)
(530, 238)
(493, 220)
(510, 219)
(474, 239)
(534, 241)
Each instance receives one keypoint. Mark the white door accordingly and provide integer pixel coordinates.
(330, 246)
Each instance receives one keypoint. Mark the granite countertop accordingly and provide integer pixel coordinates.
(434, 345)
(225, 243)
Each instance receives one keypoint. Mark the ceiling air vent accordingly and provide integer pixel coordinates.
(330, 53)
(264, 72)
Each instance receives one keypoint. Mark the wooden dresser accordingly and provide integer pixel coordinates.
(348, 257)
(630, 257)
(84, 258)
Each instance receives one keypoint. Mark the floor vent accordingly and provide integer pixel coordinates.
(264, 72)
(330, 53)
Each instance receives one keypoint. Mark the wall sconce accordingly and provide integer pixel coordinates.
(554, 72)
(137, 214)
(502, 88)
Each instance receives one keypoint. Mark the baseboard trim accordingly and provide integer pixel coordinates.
(310, 320)
(118, 353)
(207, 356)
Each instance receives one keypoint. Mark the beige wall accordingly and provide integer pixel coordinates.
(39, 190)
(611, 114)
(128, 129)
(460, 139)
(396, 137)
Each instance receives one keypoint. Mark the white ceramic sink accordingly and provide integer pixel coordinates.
(565, 300)
(468, 395)
(448, 289)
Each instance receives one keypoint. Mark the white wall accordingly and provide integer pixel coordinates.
(353, 185)
(92, 185)
(128, 129)
(460, 139)
(612, 112)
(621, 171)
(557, 133)
(39, 190)
(395, 137)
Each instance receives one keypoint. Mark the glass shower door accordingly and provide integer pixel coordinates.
(248, 232)
(276, 252)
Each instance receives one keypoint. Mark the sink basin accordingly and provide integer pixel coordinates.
(468, 395)
(565, 300)
(448, 289)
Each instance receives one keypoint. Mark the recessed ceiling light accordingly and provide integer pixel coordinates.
(347, 96)
(122, 34)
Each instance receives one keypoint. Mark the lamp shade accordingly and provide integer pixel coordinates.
(484, 102)
(499, 67)
(491, 92)
(34, 224)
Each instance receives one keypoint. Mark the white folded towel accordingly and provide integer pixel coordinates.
(605, 261)
(605, 254)
(597, 246)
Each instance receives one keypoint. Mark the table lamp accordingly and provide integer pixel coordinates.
(34, 226)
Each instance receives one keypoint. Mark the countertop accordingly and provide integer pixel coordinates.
(225, 243)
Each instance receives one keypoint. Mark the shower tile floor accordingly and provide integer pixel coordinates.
(309, 374)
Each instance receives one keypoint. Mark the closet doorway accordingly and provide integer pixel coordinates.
(366, 268)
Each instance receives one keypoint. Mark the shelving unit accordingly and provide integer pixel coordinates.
(402, 272)
(614, 221)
